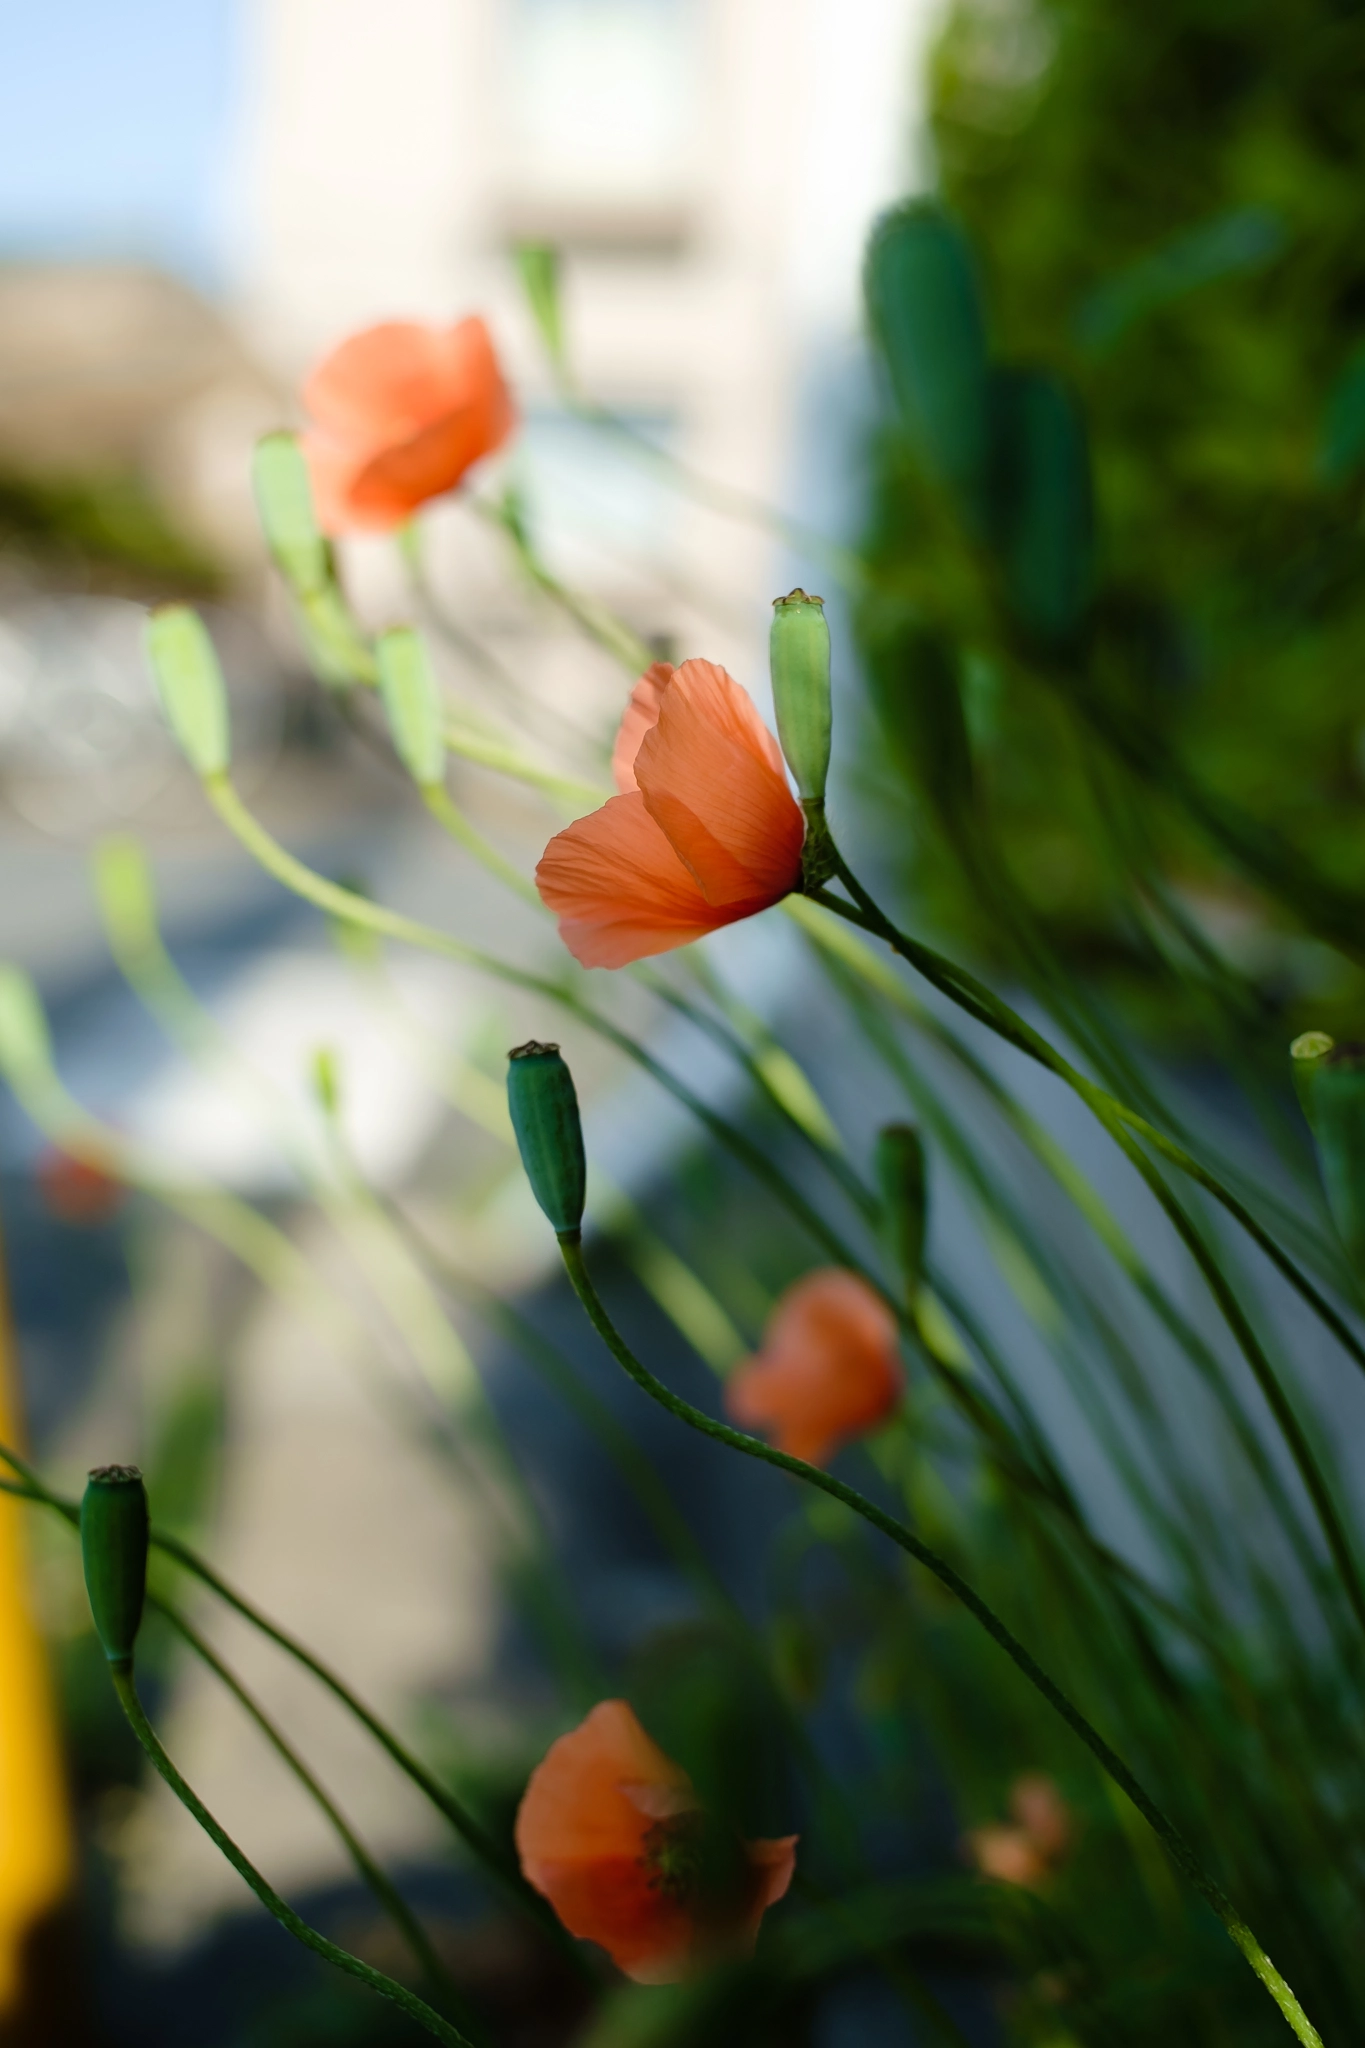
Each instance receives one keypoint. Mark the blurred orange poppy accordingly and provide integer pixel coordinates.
(705, 831)
(1038, 1841)
(829, 1368)
(610, 1831)
(399, 413)
(76, 1190)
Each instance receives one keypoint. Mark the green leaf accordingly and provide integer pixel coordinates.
(191, 687)
(538, 265)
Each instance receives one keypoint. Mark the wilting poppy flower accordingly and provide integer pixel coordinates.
(829, 1368)
(1028, 1851)
(611, 1832)
(705, 831)
(399, 413)
(75, 1190)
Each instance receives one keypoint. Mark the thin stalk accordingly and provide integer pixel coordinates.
(341, 1958)
(1124, 1127)
(476, 1839)
(1109, 1760)
(453, 821)
(991, 1010)
(354, 909)
(385, 1891)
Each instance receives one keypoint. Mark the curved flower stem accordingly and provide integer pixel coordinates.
(1109, 1760)
(390, 924)
(1124, 1126)
(495, 1860)
(453, 821)
(386, 1893)
(398, 1994)
(989, 1009)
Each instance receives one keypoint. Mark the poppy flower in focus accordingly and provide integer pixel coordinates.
(829, 1368)
(610, 1831)
(399, 413)
(705, 830)
(1040, 1834)
(73, 1190)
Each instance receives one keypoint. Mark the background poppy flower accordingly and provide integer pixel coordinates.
(1039, 1840)
(400, 412)
(705, 832)
(75, 1190)
(610, 1831)
(829, 1368)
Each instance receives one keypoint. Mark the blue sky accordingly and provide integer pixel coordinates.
(116, 120)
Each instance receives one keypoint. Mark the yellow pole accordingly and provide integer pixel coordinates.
(36, 1857)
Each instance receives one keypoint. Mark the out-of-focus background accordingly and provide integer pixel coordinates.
(1102, 736)
(197, 199)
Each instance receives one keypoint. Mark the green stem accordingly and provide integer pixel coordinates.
(390, 924)
(387, 1893)
(1109, 1760)
(989, 1009)
(484, 1848)
(341, 1958)
(1124, 1127)
(453, 821)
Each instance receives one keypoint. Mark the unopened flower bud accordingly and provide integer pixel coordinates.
(544, 1107)
(284, 500)
(190, 684)
(114, 1553)
(412, 705)
(900, 1178)
(799, 654)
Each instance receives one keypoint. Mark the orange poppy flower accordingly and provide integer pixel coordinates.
(829, 1368)
(1028, 1851)
(400, 412)
(611, 1833)
(75, 1190)
(705, 831)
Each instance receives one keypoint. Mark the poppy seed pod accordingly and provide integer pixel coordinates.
(544, 1108)
(114, 1553)
(1336, 1112)
(1304, 1055)
(899, 1162)
(798, 650)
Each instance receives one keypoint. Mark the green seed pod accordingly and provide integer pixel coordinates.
(190, 684)
(114, 1553)
(1304, 1055)
(412, 705)
(284, 501)
(544, 1107)
(925, 303)
(798, 648)
(1336, 1112)
(899, 1162)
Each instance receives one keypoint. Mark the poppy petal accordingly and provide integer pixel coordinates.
(619, 889)
(829, 1368)
(711, 775)
(641, 716)
(389, 381)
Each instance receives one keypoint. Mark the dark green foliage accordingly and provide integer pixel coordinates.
(1164, 203)
(104, 531)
